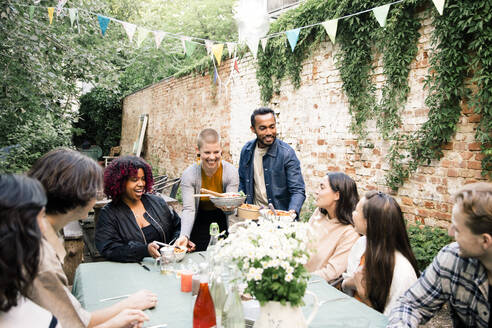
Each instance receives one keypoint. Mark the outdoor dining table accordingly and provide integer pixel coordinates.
(99, 280)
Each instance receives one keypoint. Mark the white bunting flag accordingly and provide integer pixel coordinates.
(129, 29)
(208, 45)
(331, 28)
(253, 45)
(381, 13)
(231, 48)
(74, 14)
(264, 43)
(439, 5)
(158, 37)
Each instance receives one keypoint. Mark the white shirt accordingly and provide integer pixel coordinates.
(261, 198)
(26, 314)
(403, 278)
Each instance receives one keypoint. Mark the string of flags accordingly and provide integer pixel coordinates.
(214, 48)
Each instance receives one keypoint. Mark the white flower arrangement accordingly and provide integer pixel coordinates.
(270, 256)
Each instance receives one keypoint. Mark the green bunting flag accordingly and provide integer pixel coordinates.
(331, 28)
(381, 13)
(141, 35)
(31, 12)
(293, 36)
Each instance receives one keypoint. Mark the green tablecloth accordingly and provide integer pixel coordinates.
(96, 281)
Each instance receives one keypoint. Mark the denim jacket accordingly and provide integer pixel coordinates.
(282, 171)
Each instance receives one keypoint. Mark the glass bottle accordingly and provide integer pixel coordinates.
(218, 293)
(233, 309)
(214, 239)
(203, 312)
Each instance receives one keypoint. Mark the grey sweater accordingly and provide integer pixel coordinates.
(191, 182)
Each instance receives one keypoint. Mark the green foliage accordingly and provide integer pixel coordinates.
(462, 39)
(307, 209)
(426, 242)
(100, 119)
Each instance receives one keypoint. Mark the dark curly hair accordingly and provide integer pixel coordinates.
(120, 170)
(21, 200)
(70, 179)
(349, 197)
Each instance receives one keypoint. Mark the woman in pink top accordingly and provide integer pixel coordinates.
(333, 225)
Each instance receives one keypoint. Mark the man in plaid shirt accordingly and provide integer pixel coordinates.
(461, 273)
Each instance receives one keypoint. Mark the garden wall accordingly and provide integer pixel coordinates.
(314, 119)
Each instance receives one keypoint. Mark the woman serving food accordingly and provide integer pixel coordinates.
(213, 174)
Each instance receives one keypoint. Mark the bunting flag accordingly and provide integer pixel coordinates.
(51, 10)
(293, 36)
(253, 46)
(31, 12)
(217, 50)
(129, 29)
(103, 23)
(381, 13)
(215, 75)
(37, 1)
(59, 7)
(188, 45)
(158, 37)
(331, 28)
(208, 46)
(73, 13)
(439, 5)
(141, 36)
(236, 66)
(231, 48)
(264, 43)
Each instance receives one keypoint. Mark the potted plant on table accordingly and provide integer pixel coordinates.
(270, 256)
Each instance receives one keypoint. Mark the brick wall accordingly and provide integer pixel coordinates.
(314, 119)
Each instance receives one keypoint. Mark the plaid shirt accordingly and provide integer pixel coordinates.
(450, 278)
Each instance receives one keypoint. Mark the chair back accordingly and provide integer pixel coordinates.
(115, 151)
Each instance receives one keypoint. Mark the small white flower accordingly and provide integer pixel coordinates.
(289, 277)
(289, 270)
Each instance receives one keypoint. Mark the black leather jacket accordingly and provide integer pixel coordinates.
(118, 236)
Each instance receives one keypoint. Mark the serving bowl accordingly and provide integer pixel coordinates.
(228, 201)
(179, 253)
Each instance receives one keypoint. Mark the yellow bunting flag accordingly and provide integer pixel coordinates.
(217, 51)
(331, 28)
(51, 10)
(439, 5)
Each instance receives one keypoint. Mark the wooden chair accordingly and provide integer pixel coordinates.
(114, 152)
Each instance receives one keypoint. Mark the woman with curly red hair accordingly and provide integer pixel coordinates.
(134, 218)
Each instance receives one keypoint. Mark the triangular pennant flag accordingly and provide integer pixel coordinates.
(235, 66)
(158, 37)
(141, 35)
(73, 13)
(439, 5)
(129, 29)
(103, 23)
(264, 43)
(51, 10)
(31, 12)
(59, 7)
(381, 13)
(189, 47)
(231, 48)
(253, 46)
(331, 28)
(217, 50)
(208, 46)
(293, 36)
(215, 75)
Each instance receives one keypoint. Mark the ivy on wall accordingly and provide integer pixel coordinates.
(462, 53)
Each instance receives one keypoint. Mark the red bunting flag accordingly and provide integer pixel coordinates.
(236, 68)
